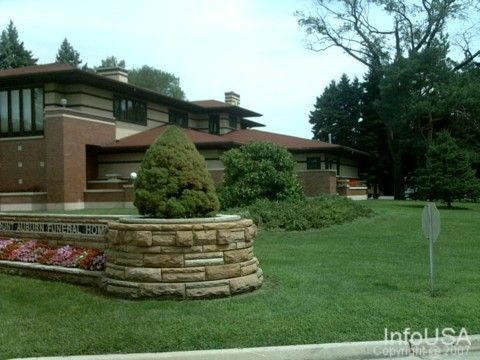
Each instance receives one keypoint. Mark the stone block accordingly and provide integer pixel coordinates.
(205, 237)
(163, 239)
(183, 275)
(204, 255)
(245, 283)
(204, 262)
(208, 292)
(250, 233)
(220, 226)
(143, 274)
(162, 290)
(219, 247)
(129, 237)
(249, 267)
(141, 250)
(143, 238)
(115, 273)
(112, 236)
(128, 259)
(163, 260)
(180, 249)
(237, 256)
(222, 271)
(120, 236)
(184, 238)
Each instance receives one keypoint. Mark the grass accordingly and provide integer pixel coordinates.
(343, 283)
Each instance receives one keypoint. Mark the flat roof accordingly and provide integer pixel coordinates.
(65, 73)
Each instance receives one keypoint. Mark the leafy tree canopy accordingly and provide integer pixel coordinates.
(173, 181)
(67, 54)
(158, 80)
(338, 112)
(408, 51)
(12, 52)
(448, 174)
(112, 61)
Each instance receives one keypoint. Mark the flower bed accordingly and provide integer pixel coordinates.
(33, 251)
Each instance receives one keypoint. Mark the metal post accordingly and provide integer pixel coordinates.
(430, 240)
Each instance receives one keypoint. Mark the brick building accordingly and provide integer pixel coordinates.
(69, 139)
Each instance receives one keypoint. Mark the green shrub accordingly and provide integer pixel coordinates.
(258, 170)
(307, 214)
(173, 181)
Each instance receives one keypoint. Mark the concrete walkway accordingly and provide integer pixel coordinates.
(379, 350)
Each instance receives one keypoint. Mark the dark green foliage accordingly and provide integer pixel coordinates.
(258, 170)
(112, 62)
(68, 55)
(12, 52)
(158, 80)
(448, 175)
(173, 181)
(338, 112)
(303, 214)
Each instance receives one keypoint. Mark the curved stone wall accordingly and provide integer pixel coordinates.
(182, 258)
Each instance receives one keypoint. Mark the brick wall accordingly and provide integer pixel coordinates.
(22, 165)
(317, 182)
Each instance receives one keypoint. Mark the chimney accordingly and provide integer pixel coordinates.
(329, 138)
(232, 98)
(114, 73)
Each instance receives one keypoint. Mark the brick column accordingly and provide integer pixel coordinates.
(67, 133)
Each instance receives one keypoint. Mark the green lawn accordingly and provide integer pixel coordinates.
(343, 283)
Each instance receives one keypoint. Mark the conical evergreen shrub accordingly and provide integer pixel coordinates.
(173, 181)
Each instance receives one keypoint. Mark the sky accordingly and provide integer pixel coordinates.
(252, 47)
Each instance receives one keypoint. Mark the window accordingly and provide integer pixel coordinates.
(21, 112)
(314, 163)
(332, 164)
(129, 110)
(178, 118)
(214, 124)
(232, 121)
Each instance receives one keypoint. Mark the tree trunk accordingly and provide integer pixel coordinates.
(398, 183)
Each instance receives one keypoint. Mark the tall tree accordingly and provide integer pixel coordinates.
(112, 61)
(448, 174)
(413, 27)
(12, 52)
(337, 112)
(158, 80)
(67, 54)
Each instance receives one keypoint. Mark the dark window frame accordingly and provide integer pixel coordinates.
(22, 133)
(233, 121)
(179, 118)
(214, 124)
(311, 161)
(137, 114)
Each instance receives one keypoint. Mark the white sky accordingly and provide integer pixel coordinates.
(253, 47)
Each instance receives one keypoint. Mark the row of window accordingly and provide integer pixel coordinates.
(315, 163)
(130, 110)
(181, 119)
(21, 112)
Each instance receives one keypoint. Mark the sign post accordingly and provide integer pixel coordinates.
(431, 230)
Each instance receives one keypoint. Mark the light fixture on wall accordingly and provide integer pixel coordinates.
(63, 102)
(133, 176)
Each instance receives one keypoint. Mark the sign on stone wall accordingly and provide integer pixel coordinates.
(53, 228)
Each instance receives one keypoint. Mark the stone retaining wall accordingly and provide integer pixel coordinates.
(191, 258)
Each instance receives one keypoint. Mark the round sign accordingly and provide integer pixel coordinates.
(431, 221)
